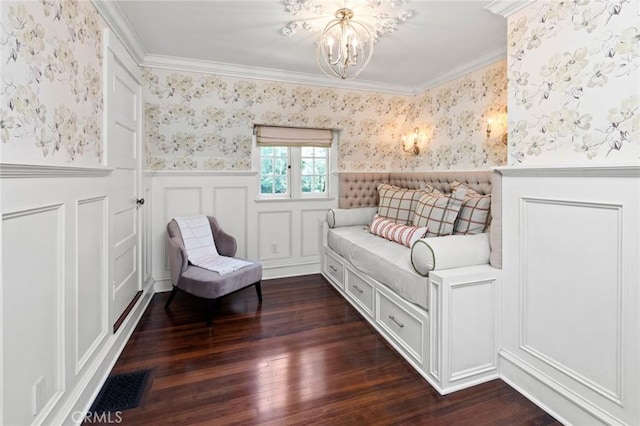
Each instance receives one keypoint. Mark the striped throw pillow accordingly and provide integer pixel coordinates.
(403, 234)
(474, 216)
(438, 212)
(397, 204)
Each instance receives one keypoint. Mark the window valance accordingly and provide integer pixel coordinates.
(293, 136)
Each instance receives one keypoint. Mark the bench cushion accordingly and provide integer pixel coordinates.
(383, 260)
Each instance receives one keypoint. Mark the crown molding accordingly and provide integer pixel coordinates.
(239, 71)
(507, 8)
(487, 59)
(119, 24)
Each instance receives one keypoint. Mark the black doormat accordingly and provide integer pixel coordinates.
(121, 392)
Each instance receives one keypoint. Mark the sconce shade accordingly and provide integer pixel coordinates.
(415, 149)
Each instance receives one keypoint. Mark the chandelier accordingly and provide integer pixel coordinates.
(345, 46)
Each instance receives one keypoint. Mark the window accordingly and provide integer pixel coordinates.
(294, 162)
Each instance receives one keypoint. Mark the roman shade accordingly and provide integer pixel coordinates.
(293, 136)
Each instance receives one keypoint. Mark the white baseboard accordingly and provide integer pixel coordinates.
(549, 394)
(163, 284)
(293, 270)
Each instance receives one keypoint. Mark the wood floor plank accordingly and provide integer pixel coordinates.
(304, 356)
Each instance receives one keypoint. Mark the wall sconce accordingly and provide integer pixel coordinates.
(503, 138)
(415, 149)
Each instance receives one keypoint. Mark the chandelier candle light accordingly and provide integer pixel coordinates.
(345, 46)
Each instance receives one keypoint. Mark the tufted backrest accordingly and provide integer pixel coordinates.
(477, 180)
(359, 189)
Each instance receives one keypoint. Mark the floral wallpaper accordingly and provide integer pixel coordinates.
(205, 122)
(574, 79)
(453, 118)
(51, 89)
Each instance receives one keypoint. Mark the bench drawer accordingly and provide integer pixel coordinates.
(405, 328)
(335, 269)
(361, 291)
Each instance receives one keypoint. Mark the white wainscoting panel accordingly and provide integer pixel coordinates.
(274, 235)
(475, 304)
(182, 202)
(90, 281)
(230, 209)
(310, 234)
(32, 312)
(571, 301)
(581, 268)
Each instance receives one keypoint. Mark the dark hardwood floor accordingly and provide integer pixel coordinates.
(304, 357)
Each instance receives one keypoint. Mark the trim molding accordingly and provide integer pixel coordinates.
(190, 173)
(112, 14)
(485, 60)
(10, 170)
(624, 170)
(231, 70)
(507, 8)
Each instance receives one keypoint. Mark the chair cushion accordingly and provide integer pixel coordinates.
(211, 285)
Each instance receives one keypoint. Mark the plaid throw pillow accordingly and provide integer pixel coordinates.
(474, 216)
(392, 231)
(438, 212)
(397, 204)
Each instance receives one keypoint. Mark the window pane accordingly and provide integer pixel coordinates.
(320, 152)
(280, 151)
(321, 166)
(266, 185)
(306, 183)
(266, 166)
(266, 151)
(307, 166)
(280, 166)
(307, 151)
(280, 185)
(320, 184)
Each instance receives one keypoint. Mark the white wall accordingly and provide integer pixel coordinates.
(283, 235)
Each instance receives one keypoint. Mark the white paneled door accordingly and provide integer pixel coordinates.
(123, 106)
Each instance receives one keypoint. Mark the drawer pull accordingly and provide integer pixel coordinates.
(356, 288)
(333, 268)
(398, 323)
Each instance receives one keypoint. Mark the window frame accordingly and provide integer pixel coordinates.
(294, 175)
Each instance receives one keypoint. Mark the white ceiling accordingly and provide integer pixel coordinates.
(443, 40)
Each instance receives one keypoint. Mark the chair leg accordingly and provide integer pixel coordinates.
(259, 291)
(211, 307)
(171, 296)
